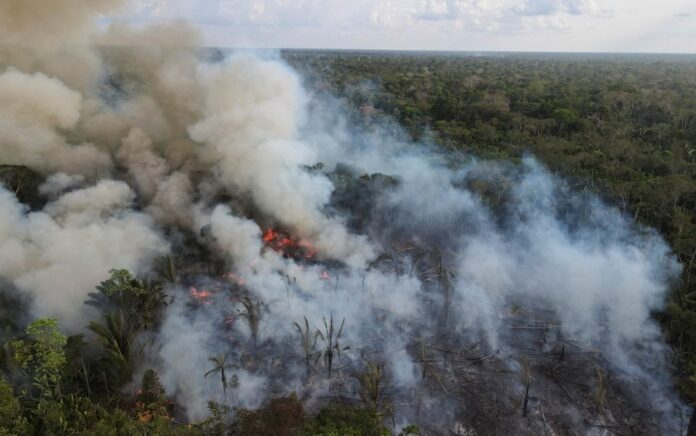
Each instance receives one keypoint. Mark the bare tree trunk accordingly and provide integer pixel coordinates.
(84, 372)
(526, 400)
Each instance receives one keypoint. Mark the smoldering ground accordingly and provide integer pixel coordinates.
(149, 148)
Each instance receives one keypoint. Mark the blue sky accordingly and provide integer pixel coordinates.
(520, 25)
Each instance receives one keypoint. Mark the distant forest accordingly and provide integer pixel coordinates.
(623, 126)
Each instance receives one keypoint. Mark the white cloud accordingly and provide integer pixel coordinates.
(528, 25)
(539, 7)
(437, 10)
(393, 14)
(581, 7)
(553, 7)
(274, 12)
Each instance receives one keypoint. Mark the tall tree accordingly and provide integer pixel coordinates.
(11, 420)
(252, 314)
(332, 347)
(220, 366)
(117, 337)
(308, 339)
(43, 355)
(141, 301)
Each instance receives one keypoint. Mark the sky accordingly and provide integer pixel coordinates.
(468, 25)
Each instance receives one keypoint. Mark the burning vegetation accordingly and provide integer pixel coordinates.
(287, 246)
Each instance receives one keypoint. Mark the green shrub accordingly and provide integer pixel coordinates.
(344, 420)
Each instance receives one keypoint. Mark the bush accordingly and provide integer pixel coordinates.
(340, 420)
(11, 419)
(282, 416)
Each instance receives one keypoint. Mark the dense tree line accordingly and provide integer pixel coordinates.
(621, 126)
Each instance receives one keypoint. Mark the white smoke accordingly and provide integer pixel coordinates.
(253, 111)
(33, 108)
(53, 38)
(59, 255)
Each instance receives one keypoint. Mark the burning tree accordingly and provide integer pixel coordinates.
(151, 401)
(288, 246)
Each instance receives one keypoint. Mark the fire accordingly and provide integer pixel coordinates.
(310, 251)
(144, 415)
(269, 235)
(202, 296)
(287, 245)
(234, 278)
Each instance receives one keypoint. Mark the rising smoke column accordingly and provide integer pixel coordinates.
(56, 122)
(252, 114)
(35, 109)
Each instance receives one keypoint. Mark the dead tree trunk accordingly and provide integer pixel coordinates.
(526, 400)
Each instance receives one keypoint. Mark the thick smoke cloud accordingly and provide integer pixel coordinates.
(252, 114)
(53, 38)
(59, 254)
(35, 108)
(147, 136)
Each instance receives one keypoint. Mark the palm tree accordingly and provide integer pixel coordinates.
(141, 300)
(332, 347)
(372, 389)
(309, 343)
(117, 336)
(166, 268)
(252, 314)
(220, 365)
(151, 301)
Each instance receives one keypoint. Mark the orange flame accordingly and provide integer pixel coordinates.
(288, 246)
(310, 251)
(269, 235)
(203, 296)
